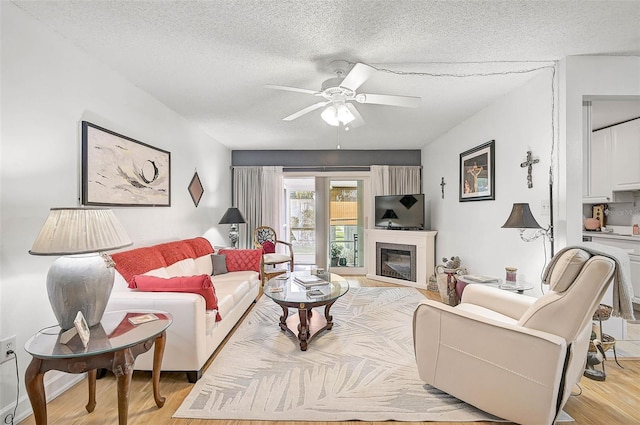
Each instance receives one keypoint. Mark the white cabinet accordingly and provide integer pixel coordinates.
(598, 163)
(613, 164)
(625, 155)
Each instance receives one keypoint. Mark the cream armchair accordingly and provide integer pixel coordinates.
(514, 356)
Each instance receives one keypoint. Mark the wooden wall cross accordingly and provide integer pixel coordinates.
(529, 163)
(442, 184)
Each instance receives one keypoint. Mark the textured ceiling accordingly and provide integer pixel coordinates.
(209, 60)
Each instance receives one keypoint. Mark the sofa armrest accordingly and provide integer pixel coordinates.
(187, 333)
(481, 361)
(504, 302)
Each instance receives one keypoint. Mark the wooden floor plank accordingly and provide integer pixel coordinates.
(614, 401)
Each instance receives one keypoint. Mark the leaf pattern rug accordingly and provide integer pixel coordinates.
(363, 369)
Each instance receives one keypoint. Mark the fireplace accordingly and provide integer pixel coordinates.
(397, 261)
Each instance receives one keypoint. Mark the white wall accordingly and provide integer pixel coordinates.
(48, 87)
(518, 122)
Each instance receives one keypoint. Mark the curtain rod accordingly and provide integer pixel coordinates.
(284, 167)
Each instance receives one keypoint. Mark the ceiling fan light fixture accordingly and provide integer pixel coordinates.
(334, 115)
(330, 115)
(344, 115)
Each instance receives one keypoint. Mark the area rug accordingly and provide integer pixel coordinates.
(363, 369)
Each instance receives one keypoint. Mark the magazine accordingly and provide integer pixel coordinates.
(144, 318)
(309, 280)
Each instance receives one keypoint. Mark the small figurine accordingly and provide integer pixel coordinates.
(452, 263)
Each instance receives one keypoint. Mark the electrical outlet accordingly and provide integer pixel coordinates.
(6, 345)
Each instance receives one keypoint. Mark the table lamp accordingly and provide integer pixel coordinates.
(233, 216)
(82, 278)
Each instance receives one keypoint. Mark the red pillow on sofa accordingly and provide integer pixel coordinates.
(195, 284)
(242, 259)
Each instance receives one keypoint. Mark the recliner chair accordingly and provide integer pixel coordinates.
(514, 356)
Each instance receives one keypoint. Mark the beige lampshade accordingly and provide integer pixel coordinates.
(79, 231)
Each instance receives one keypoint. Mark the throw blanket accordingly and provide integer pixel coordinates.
(622, 289)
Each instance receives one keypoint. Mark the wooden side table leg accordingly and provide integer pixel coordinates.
(123, 369)
(158, 352)
(34, 383)
(91, 379)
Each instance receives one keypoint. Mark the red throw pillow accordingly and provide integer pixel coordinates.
(268, 247)
(242, 259)
(195, 284)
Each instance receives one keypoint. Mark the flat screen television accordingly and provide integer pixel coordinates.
(400, 212)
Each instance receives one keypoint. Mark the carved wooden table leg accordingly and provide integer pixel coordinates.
(123, 369)
(158, 352)
(283, 318)
(328, 316)
(91, 378)
(303, 327)
(34, 383)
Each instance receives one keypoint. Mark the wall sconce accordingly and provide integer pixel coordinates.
(522, 219)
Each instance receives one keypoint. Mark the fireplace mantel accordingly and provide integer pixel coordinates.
(423, 240)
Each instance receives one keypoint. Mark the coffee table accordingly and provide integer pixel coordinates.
(287, 293)
(114, 344)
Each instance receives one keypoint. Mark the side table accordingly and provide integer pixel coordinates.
(520, 286)
(114, 344)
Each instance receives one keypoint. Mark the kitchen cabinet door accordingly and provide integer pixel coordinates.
(599, 173)
(625, 156)
(634, 265)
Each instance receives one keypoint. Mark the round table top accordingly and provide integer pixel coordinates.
(286, 289)
(114, 332)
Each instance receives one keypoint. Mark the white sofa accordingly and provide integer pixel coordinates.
(194, 334)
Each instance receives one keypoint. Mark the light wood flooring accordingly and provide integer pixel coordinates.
(614, 401)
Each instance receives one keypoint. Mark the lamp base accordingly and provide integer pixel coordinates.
(80, 283)
(234, 235)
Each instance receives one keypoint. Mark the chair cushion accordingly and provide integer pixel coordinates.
(567, 268)
(201, 285)
(242, 259)
(268, 247)
(276, 258)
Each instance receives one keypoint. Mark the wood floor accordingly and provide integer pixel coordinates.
(614, 401)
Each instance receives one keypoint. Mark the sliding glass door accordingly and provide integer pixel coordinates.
(326, 218)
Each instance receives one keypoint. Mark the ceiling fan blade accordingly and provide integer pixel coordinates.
(306, 110)
(294, 89)
(358, 121)
(357, 76)
(387, 99)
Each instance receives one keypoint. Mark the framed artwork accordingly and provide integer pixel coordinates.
(120, 171)
(477, 173)
(195, 189)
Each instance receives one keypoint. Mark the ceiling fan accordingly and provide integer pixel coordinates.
(340, 91)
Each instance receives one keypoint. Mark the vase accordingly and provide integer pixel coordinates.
(447, 282)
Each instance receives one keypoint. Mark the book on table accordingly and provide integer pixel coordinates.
(309, 280)
(481, 278)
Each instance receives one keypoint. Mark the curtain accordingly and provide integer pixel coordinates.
(395, 180)
(258, 194)
(404, 180)
(247, 193)
(272, 200)
(379, 180)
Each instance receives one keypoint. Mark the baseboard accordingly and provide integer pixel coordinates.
(57, 384)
